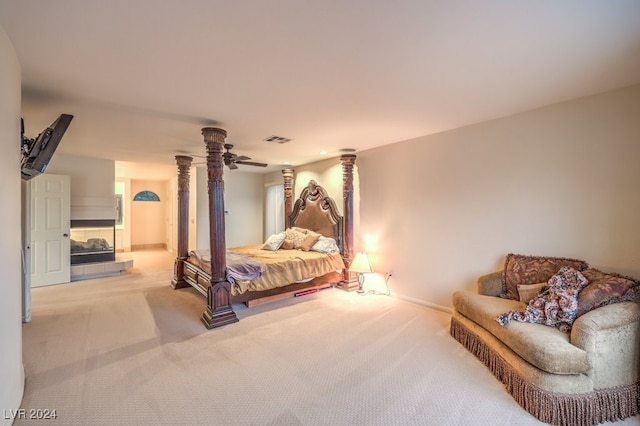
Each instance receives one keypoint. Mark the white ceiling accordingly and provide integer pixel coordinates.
(142, 77)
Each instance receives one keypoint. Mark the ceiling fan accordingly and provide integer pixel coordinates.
(232, 160)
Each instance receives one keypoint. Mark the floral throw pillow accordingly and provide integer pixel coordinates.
(557, 306)
(296, 236)
(605, 288)
(520, 269)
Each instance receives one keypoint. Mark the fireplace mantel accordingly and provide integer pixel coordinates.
(87, 208)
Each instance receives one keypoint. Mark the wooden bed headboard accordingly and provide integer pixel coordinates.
(315, 210)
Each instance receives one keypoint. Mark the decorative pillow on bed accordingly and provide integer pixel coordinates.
(529, 291)
(326, 245)
(287, 245)
(274, 242)
(309, 241)
(297, 237)
(520, 269)
(605, 288)
(300, 230)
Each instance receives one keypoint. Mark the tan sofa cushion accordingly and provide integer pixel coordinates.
(546, 347)
(529, 291)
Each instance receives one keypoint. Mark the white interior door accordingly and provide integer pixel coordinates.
(50, 224)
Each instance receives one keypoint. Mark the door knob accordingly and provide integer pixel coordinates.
(65, 235)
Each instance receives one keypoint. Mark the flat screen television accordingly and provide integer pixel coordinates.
(36, 153)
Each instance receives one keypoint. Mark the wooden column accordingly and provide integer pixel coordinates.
(349, 282)
(287, 174)
(219, 310)
(184, 165)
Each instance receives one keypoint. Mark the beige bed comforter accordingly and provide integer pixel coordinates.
(282, 267)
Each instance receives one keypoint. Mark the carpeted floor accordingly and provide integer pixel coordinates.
(130, 350)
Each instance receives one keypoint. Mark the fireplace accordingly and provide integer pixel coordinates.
(93, 241)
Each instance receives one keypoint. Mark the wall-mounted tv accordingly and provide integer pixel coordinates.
(37, 152)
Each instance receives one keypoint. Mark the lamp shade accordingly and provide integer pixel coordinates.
(360, 263)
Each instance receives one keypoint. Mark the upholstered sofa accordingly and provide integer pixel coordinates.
(586, 376)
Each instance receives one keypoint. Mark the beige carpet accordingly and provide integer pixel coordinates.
(130, 350)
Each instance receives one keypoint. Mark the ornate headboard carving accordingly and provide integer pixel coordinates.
(315, 210)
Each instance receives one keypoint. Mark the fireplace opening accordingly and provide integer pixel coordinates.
(93, 241)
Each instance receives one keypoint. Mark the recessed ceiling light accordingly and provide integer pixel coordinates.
(323, 152)
(286, 163)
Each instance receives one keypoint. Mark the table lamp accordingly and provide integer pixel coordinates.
(360, 265)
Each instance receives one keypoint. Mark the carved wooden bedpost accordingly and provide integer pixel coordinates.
(184, 164)
(219, 311)
(287, 174)
(348, 160)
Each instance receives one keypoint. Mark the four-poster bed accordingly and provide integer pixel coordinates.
(313, 211)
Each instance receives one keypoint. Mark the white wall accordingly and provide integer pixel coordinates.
(243, 200)
(11, 368)
(441, 210)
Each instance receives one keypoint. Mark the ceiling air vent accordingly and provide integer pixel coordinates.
(276, 139)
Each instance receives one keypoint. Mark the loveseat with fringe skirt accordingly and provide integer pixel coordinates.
(586, 376)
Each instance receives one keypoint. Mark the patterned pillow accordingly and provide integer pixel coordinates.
(520, 269)
(605, 288)
(297, 237)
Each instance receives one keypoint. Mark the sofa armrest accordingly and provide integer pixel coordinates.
(490, 284)
(611, 337)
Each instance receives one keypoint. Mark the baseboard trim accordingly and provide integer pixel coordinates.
(148, 246)
(426, 304)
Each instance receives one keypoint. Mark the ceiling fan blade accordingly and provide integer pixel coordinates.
(243, 158)
(232, 166)
(251, 163)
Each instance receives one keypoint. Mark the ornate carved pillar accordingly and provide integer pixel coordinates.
(348, 160)
(287, 174)
(184, 165)
(219, 311)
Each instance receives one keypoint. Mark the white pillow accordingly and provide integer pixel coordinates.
(326, 245)
(274, 242)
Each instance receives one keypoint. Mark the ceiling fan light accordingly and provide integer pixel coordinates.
(276, 139)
